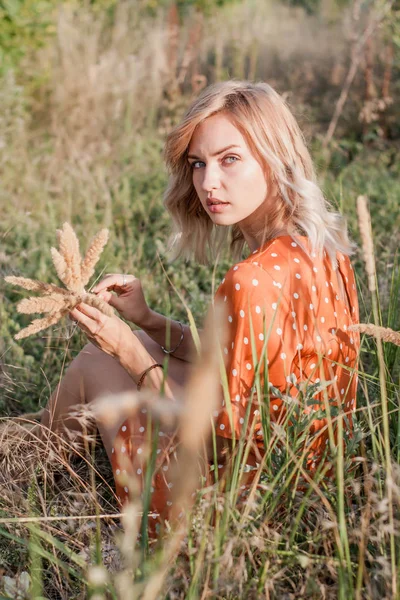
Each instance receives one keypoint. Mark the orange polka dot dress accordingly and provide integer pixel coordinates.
(288, 320)
(287, 312)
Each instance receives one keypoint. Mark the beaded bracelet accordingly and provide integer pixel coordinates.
(140, 382)
(178, 344)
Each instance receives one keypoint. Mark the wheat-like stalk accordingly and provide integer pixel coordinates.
(73, 272)
(383, 333)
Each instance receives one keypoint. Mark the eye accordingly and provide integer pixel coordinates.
(235, 158)
(196, 162)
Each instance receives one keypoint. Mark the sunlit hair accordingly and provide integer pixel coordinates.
(274, 138)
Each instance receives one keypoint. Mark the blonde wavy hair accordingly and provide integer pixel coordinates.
(274, 138)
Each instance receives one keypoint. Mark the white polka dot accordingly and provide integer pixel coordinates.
(225, 350)
(295, 295)
(296, 260)
(126, 489)
(351, 341)
(319, 339)
(277, 268)
(294, 326)
(337, 297)
(314, 289)
(335, 314)
(293, 314)
(123, 449)
(258, 309)
(277, 284)
(237, 286)
(322, 319)
(341, 346)
(234, 372)
(261, 336)
(158, 450)
(333, 331)
(144, 411)
(255, 282)
(117, 472)
(329, 351)
(326, 300)
(299, 347)
(279, 331)
(283, 356)
(274, 305)
(298, 276)
(275, 407)
(241, 420)
(230, 319)
(235, 268)
(241, 313)
(311, 306)
(123, 428)
(346, 360)
(165, 468)
(246, 340)
(294, 244)
(141, 429)
(342, 391)
(139, 450)
(327, 284)
(237, 397)
(248, 366)
(161, 434)
(305, 327)
(170, 485)
(222, 426)
(220, 466)
(315, 269)
(274, 254)
(139, 471)
(345, 327)
(112, 450)
(352, 401)
(169, 503)
(312, 366)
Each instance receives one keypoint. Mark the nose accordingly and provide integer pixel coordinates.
(211, 178)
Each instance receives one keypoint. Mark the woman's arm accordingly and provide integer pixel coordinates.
(155, 325)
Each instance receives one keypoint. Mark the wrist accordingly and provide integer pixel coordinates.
(134, 358)
(147, 323)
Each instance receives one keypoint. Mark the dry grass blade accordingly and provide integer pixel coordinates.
(69, 250)
(202, 395)
(33, 285)
(45, 304)
(39, 324)
(60, 266)
(98, 303)
(364, 220)
(383, 333)
(92, 255)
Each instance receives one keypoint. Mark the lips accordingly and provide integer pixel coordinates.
(215, 202)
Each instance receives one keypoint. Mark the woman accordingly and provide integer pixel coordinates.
(238, 163)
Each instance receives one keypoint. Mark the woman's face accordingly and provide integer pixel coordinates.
(225, 170)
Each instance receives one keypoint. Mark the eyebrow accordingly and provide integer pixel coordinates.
(216, 153)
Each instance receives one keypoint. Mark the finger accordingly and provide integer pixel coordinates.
(90, 311)
(87, 324)
(113, 280)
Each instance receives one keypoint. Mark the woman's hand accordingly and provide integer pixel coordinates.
(128, 299)
(110, 334)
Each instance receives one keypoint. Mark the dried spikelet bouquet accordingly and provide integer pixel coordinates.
(74, 272)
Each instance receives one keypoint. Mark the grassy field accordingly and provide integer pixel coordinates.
(82, 126)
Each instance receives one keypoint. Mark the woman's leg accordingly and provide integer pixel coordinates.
(93, 374)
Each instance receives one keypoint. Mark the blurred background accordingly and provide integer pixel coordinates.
(88, 92)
